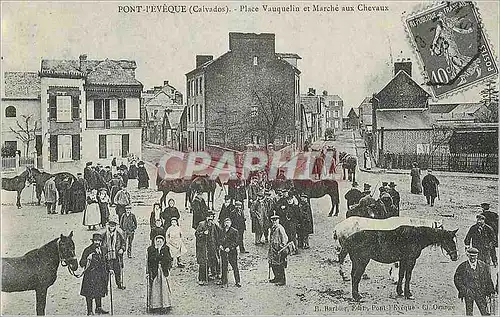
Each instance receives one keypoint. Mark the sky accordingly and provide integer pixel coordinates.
(345, 53)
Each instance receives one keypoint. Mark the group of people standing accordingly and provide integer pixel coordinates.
(429, 184)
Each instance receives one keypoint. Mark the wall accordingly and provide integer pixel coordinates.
(90, 142)
(23, 107)
(405, 141)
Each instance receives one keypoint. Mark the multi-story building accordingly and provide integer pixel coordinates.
(312, 108)
(163, 108)
(21, 125)
(230, 97)
(90, 111)
(365, 116)
(332, 112)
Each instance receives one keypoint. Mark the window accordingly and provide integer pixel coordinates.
(64, 147)
(98, 108)
(254, 111)
(114, 145)
(63, 108)
(328, 114)
(102, 146)
(188, 87)
(255, 61)
(201, 141)
(196, 117)
(201, 85)
(336, 113)
(336, 124)
(11, 145)
(196, 86)
(331, 103)
(189, 114)
(125, 145)
(121, 109)
(10, 112)
(201, 113)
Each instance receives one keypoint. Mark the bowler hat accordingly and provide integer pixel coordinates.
(96, 237)
(128, 207)
(367, 186)
(480, 216)
(275, 217)
(391, 184)
(384, 183)
(472, 251)
(355, 184)
(485, 206)
(78, 173)
(88, 164)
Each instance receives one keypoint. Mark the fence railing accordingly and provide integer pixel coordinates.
(462, 162)
(10, 162)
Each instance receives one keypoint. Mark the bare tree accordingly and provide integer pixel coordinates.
(26, 131)
(226, 124)
(489, 98)
(273, 115)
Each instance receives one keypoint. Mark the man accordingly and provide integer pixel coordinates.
(122, 199)
(367, 199)
(483, 239)
(200, 209)
(305, 226)
(253, 189)
(115, 184)
(106, 174)
(388, 203)
(95, 276)
(473, 282)
(225, 210)
(241, 193)
(114, 242)
(268, 202)
(238, 222)
(128, 224)
(384, 186)
(491, 218)
(430, 185)
(227, 246)
(80, 189)
(291, 219)
(277, 261)
(231, 187)
(353, 195)
(88, 175)
(207, 244)
(50, 192)
(66, 189)
(394, 195)
(257, 213)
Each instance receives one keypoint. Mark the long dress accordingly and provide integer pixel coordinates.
(174, 241)
(92, 214)
(416, 186)
(79, 195)
(159, 293)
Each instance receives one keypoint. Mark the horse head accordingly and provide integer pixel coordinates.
(448, 242)
(66, 249)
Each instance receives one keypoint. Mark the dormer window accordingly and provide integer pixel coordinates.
(255, 61)
(10, 112)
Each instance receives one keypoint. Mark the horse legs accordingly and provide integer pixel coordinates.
(41, 301)
(335, 206)
(358, 268)
(354, 174)
(18, 199)
(38, 194)
(402, 269)
(408, 270)
(163, 199)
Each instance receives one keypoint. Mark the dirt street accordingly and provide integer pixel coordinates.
(313, 285)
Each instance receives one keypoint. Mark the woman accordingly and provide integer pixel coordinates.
(92, 215)
(170, 212)
(132, 170)
(157, 230)
(159, 262)
(416, 187)
(155, 215)
(174, 241)
(142, 176)
(103, 200)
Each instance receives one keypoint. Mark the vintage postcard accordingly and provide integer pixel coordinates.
(249, 158)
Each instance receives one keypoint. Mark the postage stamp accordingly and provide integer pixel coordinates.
(452, 47)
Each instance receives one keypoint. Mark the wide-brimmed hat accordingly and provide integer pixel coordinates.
(210, 214)
(485, 206)
(96, 237)
(173, 218)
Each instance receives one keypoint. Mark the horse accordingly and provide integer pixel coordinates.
(17, 184)
(315, 189)
(204, 184)
(41, 178)
(403, 244)
(349, 163)
(376, 210)
(177, 186)
(37, 269)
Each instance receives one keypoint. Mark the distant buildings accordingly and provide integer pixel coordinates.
(312, 106)
(351, 120)
(333, 112)
(237, 99)
(365, 116)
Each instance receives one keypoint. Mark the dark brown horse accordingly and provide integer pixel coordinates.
(177, 186)
(315, 189)
(37, 269)
(403, 244)
(17, 184)
(205, 184)
(41, 178)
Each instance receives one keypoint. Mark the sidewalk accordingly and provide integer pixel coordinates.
(360, 149)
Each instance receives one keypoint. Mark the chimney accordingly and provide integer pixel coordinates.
(83, 63)
(311, 92)
(262, 44)
(325, 93)
(202, 59)
(404, 64)
(165, 83)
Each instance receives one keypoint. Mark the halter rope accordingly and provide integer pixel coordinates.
(64, 263)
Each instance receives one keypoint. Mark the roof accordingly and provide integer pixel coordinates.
(173, 119)
(310, 103)
(404, 119)
(351, 113)
(467, 108)
(365, 101)
(111, 73)
(22, 85)
(288, 55)
(442, 107)
(398, 91)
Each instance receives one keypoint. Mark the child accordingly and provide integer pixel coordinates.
(174, 241)
(103, 200)
(157, 230)
(92, 215)
(128, 223)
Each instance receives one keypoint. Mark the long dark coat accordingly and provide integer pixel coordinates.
(473, 283)
(483, 238)
(207, 246)
(238, 220)
(79, 199)
(143, 177)
(132, 172)
(95, 278)
(224, 212)
(416, 187)
(200, 211)
(430, 184)
(168, 213)
(353, 196)
(156, 258)
(306, 225)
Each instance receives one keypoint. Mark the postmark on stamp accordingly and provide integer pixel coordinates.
(452, 47)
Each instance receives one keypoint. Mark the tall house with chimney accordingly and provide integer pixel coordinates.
(401, 122)
(230, 97)
(90, 111)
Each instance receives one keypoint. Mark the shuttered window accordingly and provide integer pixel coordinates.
(65, 147)
(53, 148)
(63, 108)
(75, 107)
(52, 107)
(125, 145)
(102, 146)
(76, 147)
(121, 109)
(98, 108)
